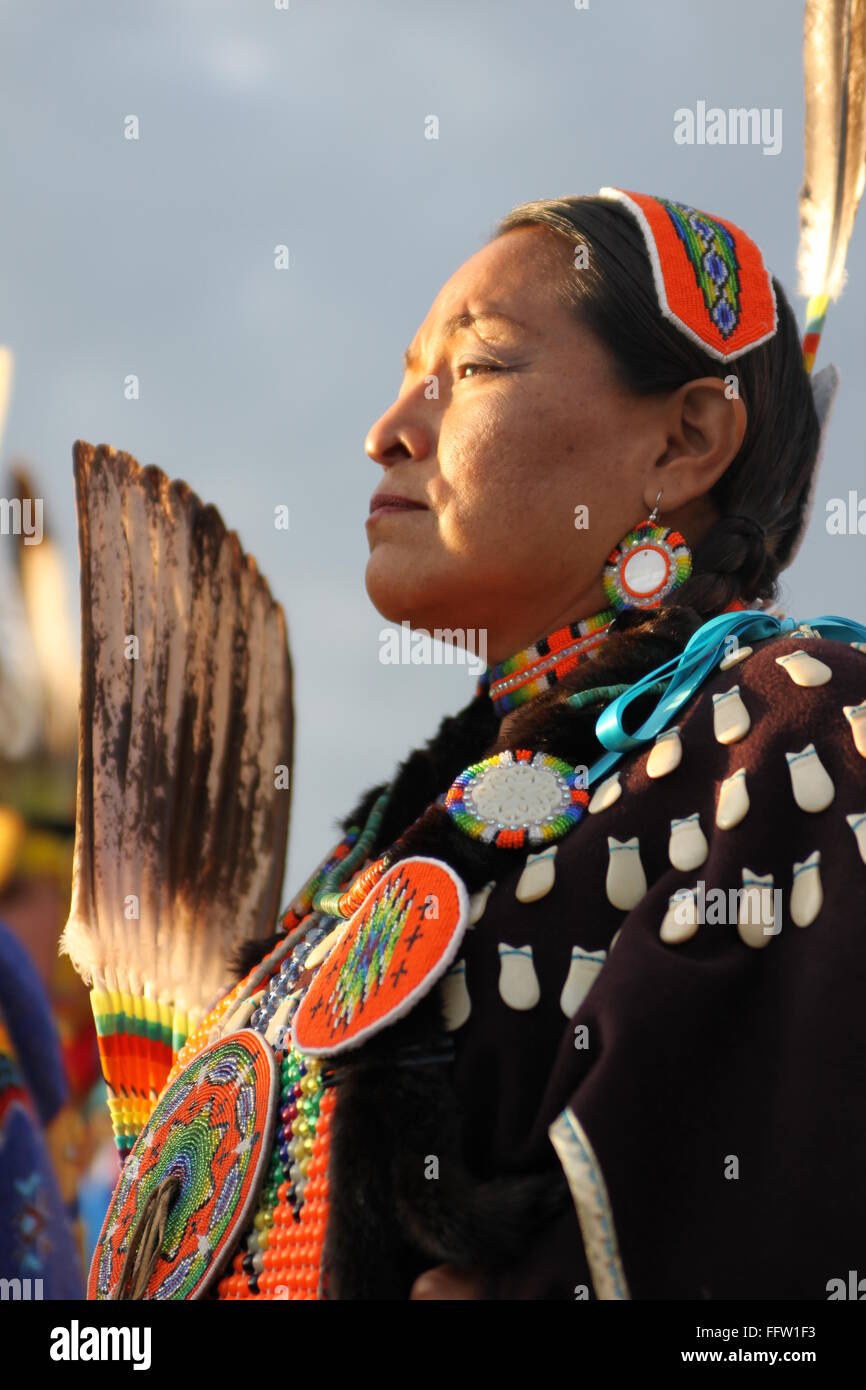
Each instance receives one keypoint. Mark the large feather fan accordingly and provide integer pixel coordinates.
(185, 744)
(834, 56)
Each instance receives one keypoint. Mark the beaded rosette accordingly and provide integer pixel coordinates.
(391, 953)
(515, 798)
(209, 1137)
(646, 565)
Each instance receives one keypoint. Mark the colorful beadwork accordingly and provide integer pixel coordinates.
(646, 566)
(281, 1256)
(529, 672)
(710, 277)
(213, 1129)
(391, 954)
(517, 797)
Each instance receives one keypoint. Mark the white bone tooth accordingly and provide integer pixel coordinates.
(605, 794)
(680, 922)
(478, 902)
(857, 823)
(241, 1016)
(733, 658)
(733, 800)
(518, 982)
(582, 972)
(687, 846)
(807, 895)
(537, 879)
(856, 716)
(625, 884)
(804, 669)
(456, 1004)
(665, 754)
(730, 717)
(281, 1017)
(756, 922)
(810, 781)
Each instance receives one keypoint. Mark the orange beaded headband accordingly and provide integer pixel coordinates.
(709, 275)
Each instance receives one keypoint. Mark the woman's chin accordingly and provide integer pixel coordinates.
(393, 587)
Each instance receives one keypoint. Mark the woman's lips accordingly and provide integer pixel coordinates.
(387, 502)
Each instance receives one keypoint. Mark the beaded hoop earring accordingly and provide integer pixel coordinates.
(646, 565)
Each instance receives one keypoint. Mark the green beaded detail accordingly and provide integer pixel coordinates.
(327, 898)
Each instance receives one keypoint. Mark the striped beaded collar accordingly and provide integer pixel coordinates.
(518, 679)
(521, 677)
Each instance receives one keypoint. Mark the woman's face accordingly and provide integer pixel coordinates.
(510, 417)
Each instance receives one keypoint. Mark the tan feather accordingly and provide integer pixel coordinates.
(834, 56)
(177, 805)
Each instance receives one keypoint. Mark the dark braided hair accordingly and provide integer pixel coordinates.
(762, 497)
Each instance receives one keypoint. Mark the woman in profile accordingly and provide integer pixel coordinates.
(569, 1017)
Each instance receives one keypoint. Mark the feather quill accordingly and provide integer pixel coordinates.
(834, 60)
(186, 712)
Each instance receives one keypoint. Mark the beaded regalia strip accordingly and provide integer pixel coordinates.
(528, 673)
(710, 277)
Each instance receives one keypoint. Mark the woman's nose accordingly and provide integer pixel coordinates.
(397, 436)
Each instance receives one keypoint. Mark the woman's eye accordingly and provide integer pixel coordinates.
(475, 368)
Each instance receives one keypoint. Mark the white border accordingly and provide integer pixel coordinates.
(592, 1204)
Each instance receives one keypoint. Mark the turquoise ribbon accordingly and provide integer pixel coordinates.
(691, 668)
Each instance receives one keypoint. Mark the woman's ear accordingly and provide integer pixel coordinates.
(705, 423)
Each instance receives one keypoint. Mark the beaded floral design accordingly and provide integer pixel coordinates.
(712, 255)
(392, 952)
(517, 797)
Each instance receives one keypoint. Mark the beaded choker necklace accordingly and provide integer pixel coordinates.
(521, 677)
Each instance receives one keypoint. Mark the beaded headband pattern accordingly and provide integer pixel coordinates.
(710, 277)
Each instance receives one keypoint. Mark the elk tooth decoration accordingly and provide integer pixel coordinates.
(857, 823)
(810, 781)
(582, 972)
(807, 895)
(680, 922)
(282, 1014)
(239, 1018)
(856, 716)
(456, 1004)
(730, 717)
(733, 800)
(325, 947)
(687, 846)
(625, 884)
(756, 923)
(605, 794)
(665, 754)
(734, 657)
(518, 982)
(804, 669)
(478, 903)
(537, 879)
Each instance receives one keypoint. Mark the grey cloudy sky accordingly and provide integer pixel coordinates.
(306, 127)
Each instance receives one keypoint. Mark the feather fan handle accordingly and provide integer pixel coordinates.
(834, 61)
(185, 717)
